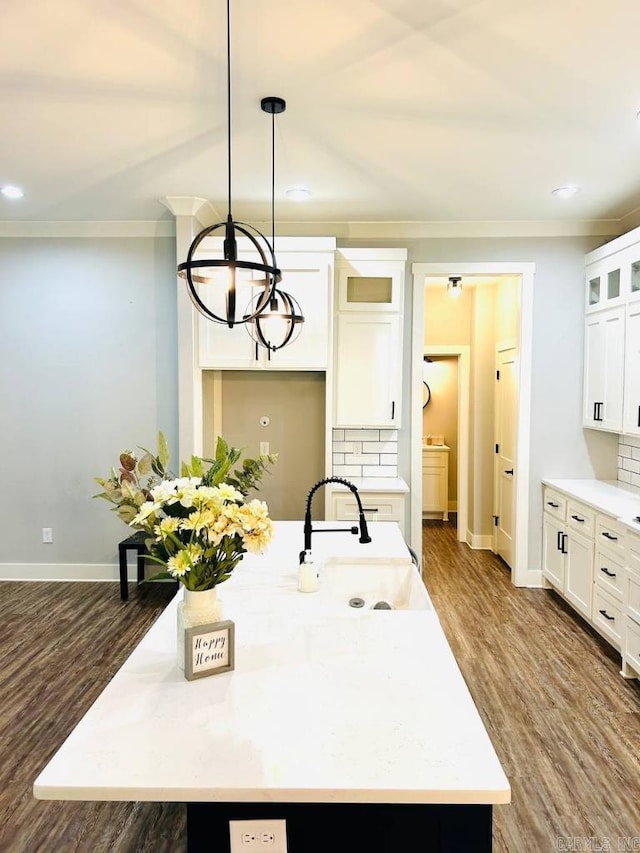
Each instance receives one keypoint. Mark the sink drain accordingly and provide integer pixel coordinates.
(356, 602)
(382, 605)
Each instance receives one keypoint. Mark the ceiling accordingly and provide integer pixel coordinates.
(407, 111)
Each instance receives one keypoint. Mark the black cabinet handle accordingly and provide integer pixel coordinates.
(609, 536)
(577, 518)
(370, 509)
(600, 405)
(393, 410)
(554, 505)
(607, 572)
(639, 416)
(595, 411)
(559, 541)
(510, 471)
(564, 542)
(606, 616)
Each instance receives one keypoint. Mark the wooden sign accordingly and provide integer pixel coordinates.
(209, 649)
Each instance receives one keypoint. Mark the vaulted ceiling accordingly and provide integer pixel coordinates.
(397, 110)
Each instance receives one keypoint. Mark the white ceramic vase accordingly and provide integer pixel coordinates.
(196, 608)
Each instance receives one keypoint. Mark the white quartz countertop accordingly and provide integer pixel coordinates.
(373, 484)
(608, 496)
(325, 704)
(436, 447)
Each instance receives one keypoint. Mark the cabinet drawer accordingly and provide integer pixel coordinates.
(434, 460)
(554, 503)
(581, 518)
(632, 644)
(609, 573)
(610, 534)
(377, 507)
(608, 616)
(633, 596)
(633, 549)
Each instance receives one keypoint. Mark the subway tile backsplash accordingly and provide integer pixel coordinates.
(629, 461)
(365, 452)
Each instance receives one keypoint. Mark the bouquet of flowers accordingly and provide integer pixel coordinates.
(200, 524)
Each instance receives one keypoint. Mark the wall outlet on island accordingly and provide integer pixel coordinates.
(264, 448)
(258, 836)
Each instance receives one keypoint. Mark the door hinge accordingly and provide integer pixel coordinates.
(496, 518)
(497, 448)
(497, 374)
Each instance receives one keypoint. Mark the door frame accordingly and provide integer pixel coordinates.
(526, 272)
(462, 353)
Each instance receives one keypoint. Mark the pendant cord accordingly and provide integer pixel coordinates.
(229, 107)
(273, 181)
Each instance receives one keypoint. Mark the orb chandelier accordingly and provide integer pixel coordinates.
(213, 281)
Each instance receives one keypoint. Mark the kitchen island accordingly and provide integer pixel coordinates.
(355, 726)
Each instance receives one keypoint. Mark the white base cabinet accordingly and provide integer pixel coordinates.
(593, 561)
(377, 506)
(435, 481)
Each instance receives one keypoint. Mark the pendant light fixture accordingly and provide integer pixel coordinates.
(280, 323)
(212, 282)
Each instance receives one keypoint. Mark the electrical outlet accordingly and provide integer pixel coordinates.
(47, 535)
(264, 448)
(258, 836)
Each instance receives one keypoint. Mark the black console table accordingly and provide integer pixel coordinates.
(131, 543)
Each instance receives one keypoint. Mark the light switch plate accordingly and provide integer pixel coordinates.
(258, 836)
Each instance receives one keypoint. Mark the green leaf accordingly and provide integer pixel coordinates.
(145, 464)
(163, 451)
(127, 513)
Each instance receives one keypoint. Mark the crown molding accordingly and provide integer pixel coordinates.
(119, 228)
(206, 214)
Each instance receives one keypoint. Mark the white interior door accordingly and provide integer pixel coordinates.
(505, 440)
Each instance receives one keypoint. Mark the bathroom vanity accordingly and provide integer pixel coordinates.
(353, 725)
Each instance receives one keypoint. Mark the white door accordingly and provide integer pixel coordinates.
(505, 453)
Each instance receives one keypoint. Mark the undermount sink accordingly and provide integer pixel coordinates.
(397, 583)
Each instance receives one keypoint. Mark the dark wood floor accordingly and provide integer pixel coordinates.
(565, 725)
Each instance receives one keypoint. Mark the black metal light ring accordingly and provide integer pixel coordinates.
(272, 277)
(291, 306)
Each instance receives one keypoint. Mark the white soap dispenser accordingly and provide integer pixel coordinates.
(308, 580)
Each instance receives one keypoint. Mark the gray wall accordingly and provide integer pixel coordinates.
(87, 367)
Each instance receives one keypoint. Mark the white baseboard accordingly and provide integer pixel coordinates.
(62, 572)
(534, 578)
(478, 542)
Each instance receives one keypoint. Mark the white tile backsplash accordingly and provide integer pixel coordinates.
(629, 461)
(365, 452)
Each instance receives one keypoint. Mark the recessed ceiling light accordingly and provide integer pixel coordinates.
(567, 191)
(298, 194)
(12, 192)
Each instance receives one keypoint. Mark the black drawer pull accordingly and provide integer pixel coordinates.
(564, 542)
(609, 536)
(607, 572)
(606, 616)
(555, 506)
(370, 509)
(577, 518)
(559, 540)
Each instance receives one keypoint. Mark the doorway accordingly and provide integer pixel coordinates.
(481, 479)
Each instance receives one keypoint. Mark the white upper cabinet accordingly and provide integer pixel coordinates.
(368, 342)
(612, 336)
(307, 266)
(370, 279)
(631, 396)
(604, 369)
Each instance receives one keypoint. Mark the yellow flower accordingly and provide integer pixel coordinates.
(179, 564)
(167, 525)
